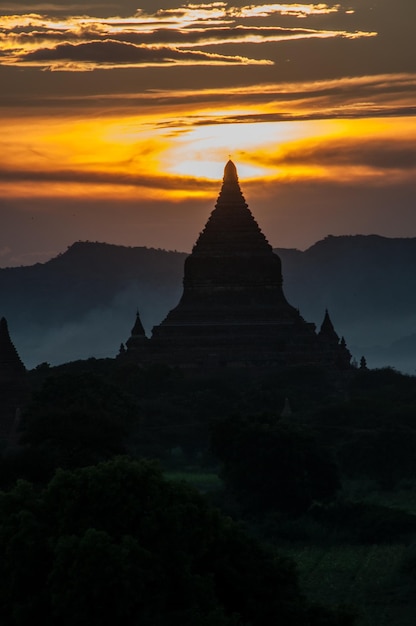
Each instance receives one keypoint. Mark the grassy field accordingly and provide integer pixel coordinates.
(403, 497)
(203, 481)
(365, 578)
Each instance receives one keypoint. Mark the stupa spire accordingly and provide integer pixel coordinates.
(328, 330)
(230, 173)
(10, 362)
(232, 264)
(137, 330)
(138, 338)
(231, 229)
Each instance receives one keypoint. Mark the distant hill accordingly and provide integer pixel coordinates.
(83, 302)
(368, 284)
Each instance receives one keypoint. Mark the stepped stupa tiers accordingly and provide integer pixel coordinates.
(233, 311)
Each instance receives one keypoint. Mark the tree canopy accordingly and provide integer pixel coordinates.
(117, 543)
(269, 465)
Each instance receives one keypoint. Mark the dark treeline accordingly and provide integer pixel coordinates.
(95, 528)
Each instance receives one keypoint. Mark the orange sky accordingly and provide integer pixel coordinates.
(113, 156)
(136, 110)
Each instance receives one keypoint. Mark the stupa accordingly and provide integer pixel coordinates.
(13, 385)
(233, 311)
(11, 365)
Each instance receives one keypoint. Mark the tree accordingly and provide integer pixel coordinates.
(117, 544)
(269, 465)
(76, 420)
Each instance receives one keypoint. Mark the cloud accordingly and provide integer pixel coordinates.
(352, 153)
(364, 111)
(183, 38)
(296, 10)
(232, 35)
(202, 12)
(171, 31)
(61, 7)
(383, 94)
(115, 54)
(161, 182)
(48, 6)
(347, 98)
(181, 109)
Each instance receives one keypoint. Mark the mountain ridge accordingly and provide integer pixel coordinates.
(82, 302)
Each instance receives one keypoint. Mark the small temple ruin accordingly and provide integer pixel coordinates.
(233, 311)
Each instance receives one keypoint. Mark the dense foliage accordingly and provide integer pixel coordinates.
(269, 465)
(373, 430)
(118, 544)
(73, 420)
(325, 480)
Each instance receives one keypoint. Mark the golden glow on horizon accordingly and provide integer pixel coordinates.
(203, 150)
(166, 160)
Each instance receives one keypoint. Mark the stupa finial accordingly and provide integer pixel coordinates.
(230, 173)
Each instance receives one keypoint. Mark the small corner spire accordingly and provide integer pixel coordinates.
(138, 330)
(327, 329)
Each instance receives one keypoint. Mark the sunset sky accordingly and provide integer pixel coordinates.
(118, 118)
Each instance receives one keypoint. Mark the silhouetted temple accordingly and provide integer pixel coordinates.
(233, 311)
(13, 388)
